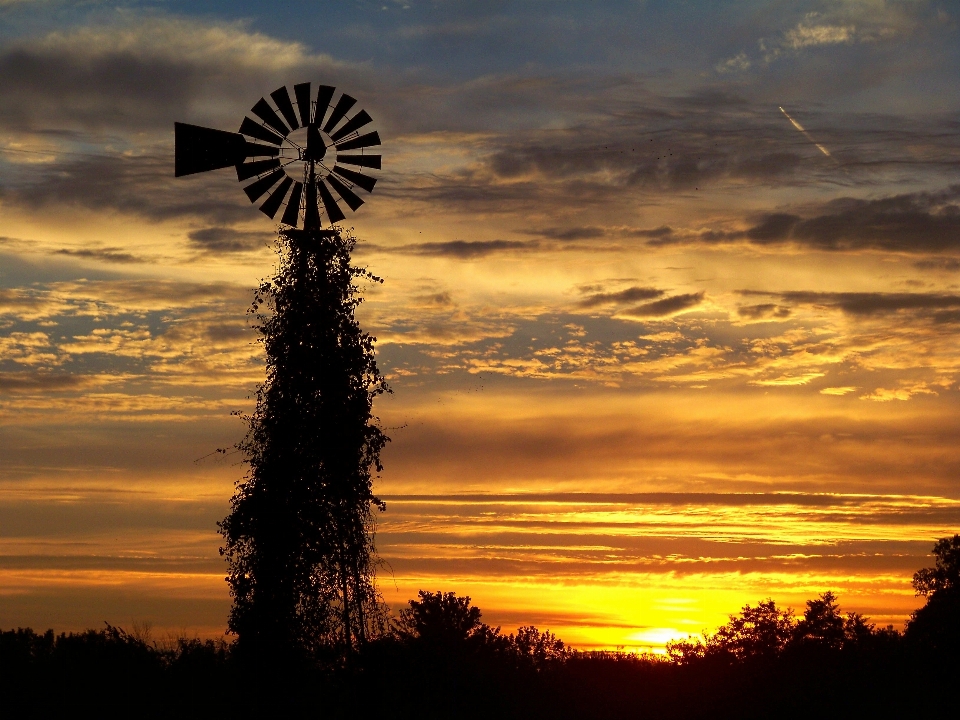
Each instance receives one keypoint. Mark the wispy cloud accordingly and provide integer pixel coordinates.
(630, 294)
(667, 306)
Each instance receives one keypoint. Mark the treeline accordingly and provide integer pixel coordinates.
(439, 659)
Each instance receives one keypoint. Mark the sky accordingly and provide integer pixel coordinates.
(670, 306)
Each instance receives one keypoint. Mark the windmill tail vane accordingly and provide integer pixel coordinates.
(304, 154)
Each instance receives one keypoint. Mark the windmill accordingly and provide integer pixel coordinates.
(301, 153)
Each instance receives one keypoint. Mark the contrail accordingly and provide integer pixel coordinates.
(799, 127)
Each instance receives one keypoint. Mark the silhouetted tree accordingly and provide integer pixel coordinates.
(443, 620)
(822, 624)
(945, 575)
(935, 627)
(538, 649)
(758, 633)
(299, 537)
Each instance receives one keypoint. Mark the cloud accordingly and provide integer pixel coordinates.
(913, 222)
(111, 255)
(586, 232)
(631, 294)
(462, 249)
(667, 306)
(921, 222)
(142, 185)
(739, 62)
(664, 231)
(946, 264)
(904, 392)
(811, 35)
(45, 381)
(788, 380)
(878, 303)
(225, 239)
(105, 298)
(840, 391)
(763, 311)
(29, 348)
(141, 72)
(434, 300)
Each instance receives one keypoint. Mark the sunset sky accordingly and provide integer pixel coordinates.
(671, 302)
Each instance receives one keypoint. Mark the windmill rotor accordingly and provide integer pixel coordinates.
(303, 154)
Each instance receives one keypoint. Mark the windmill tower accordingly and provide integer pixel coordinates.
(299, 537)
(304, 154)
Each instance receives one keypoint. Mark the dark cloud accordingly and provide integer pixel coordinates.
(141, 185)
(664, 231)
(667, 306)
(142, 73)
(570, 233)
(225, 239)
(641, 149)
(947, 264)
(913, 222)
(631, 294)
(875, 303)
(775, 227)
(764, 310)
(464, 249)
(951, 317)
(118, 88)
(42, 381)
(220, 332)
(941, 307)
(436, 300)
(156, 293)
(111, 255)
(624, 150)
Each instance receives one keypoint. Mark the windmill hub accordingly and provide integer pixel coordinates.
(300, 153)
(303, 145)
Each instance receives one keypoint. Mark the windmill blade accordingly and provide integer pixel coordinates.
(343, 105)
(311, 213)
(302, 91)
(245, 171)
(257, 150)
(266, 113)
(255, 190)
(364, 181)
(199, 149)
(363, 141)
(249, 127)
(370, 161)
(282, 99)
(346, 193)
(354, 123)
(291, 215)
(272, 204)
(334, 213)
(324, 96)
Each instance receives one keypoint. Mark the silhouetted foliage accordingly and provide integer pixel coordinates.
(111, 671)
(443, 620)
(539, 650)
(758, 633)
(935, 627)
(441, 659)
(945, 575)
(299, 537)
